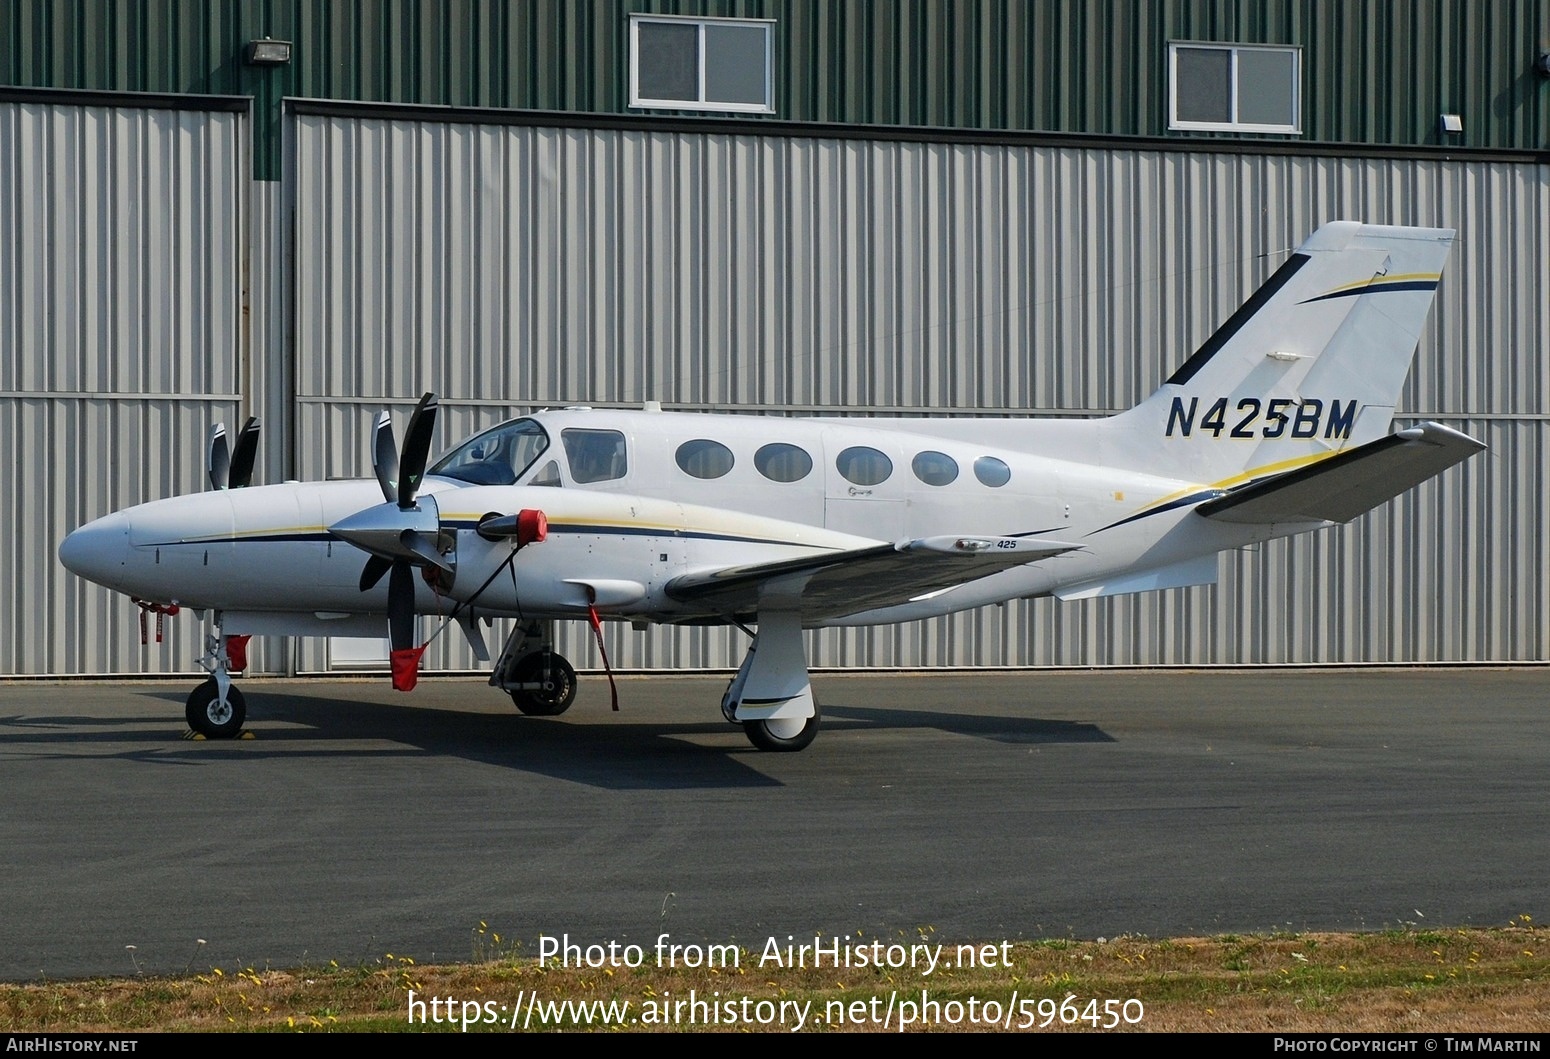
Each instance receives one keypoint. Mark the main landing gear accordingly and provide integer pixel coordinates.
(770, 696)
(784, 734)
(540, 682)
(216, 709)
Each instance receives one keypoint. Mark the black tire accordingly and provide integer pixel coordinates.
(549, 668)
(209, 718)
(782, 737)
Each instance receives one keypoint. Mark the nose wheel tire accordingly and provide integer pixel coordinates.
(211, 718)
(559, 681)
(783, 735)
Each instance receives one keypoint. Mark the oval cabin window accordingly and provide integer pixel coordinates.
(780, 462)
(935, 468)
(863, 466)
(703, 458)
(992, 472)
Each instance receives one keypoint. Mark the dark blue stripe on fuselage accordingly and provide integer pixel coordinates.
(1194, 498)
(647, 531)
(1172, 505)
(627, 531)
(265, 538)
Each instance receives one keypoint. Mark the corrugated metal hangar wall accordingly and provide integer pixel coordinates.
(510, 266)
(121, 274)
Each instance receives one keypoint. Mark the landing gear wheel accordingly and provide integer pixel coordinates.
(209, 717)
(545, 668)
(783, 735)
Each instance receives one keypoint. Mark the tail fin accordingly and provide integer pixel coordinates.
(1310, 365)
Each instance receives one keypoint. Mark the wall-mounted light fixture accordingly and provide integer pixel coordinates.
(1451, 124)
(268, 52)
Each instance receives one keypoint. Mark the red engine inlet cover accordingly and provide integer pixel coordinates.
(532, 526)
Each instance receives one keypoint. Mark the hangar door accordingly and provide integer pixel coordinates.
(509, 265)
(121, 230)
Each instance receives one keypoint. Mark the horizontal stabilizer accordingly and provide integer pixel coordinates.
(833, 584)
(1341, 487)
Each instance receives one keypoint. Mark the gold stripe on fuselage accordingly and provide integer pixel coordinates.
(1242, 477)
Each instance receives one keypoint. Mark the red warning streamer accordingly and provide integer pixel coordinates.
(161, 610)
(597, 631)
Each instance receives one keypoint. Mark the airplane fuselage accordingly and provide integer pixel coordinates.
(619, 534)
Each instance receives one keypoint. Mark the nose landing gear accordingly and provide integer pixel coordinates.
(216, 709)
(213, 715)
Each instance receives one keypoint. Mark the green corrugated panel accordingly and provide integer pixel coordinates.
(1374, 71)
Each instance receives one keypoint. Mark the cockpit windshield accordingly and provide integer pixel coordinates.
(497, 457)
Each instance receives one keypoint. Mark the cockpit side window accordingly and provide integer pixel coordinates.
(594, 455)
(497, 457)
(550, 476)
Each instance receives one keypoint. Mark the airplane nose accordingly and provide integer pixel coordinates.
(99, 550)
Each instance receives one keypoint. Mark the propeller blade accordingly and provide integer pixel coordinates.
(375, 567)
(218, 457)
(401, 605)
(243, 454)
(384, 456)
(417, 446)
(469, 623)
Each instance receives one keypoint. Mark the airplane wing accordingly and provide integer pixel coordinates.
(833, 584)
(1344, 486)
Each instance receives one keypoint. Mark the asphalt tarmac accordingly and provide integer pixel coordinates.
(978, 806)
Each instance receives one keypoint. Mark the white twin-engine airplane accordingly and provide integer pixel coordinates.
(1278, 425)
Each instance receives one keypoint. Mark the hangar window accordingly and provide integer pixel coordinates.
(863, 466)
(992, 472)
(1235, 87)
(935, 468)
(594, 455)
(780, 462)
(703, 458)
(701, 63)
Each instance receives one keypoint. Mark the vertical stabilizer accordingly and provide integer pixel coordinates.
(1310, 365)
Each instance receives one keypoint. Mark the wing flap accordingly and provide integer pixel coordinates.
(1342, 487)
(833, 584)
